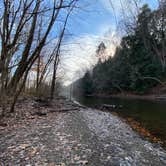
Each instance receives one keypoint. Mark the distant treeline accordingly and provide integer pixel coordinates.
(139, 62)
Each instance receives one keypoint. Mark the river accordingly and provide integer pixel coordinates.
(150, 114)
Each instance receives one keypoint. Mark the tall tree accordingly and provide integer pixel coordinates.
(23, 36)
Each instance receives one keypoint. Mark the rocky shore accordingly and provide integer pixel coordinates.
(63, 133)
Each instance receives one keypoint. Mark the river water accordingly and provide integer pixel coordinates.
(150, 114)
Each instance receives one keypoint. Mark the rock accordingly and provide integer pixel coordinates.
(39, 113)
(83, 162)
(3, 124)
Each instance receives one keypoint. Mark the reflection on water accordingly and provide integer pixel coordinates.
(151, 114)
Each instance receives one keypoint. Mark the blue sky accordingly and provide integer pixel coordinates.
(98, 14)
(91, 20)
(88, 26)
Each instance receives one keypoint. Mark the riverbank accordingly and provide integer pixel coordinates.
(64, 133)
(147, 117)
(32, 108)
(139, 128)
(133, 96)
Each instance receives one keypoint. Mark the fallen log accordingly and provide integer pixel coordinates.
(39, 113)
(64, 110)
(110, 107)
(161, 98)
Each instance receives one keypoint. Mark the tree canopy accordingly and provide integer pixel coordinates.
(139, 62)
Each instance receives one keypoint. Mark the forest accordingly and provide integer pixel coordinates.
(139, 63)
(30, 40)
(63, 64)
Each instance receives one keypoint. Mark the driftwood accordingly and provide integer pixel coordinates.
(110, 107)
(39, 113)
(64, 110)
(43, 113)
(161, 98)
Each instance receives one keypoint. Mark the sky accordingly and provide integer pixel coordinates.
(93, 22)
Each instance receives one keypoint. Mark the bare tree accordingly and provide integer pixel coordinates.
(57, 54)
(21, 40)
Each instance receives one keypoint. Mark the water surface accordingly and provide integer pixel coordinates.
(151, 114)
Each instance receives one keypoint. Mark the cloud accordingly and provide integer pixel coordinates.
(79, 54)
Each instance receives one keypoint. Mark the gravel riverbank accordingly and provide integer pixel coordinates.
(77, 137)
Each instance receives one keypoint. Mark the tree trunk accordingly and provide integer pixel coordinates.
(54, 77)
